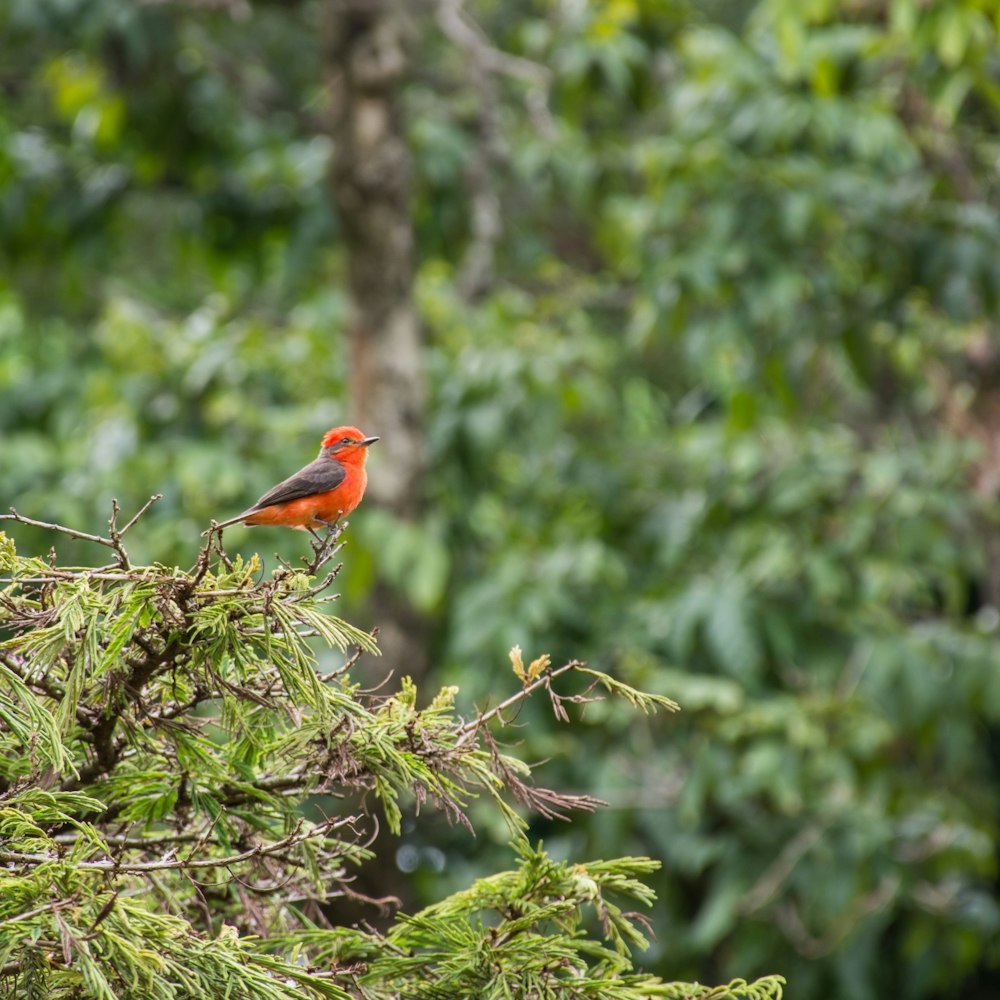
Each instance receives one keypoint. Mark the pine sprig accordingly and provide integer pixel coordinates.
(546, 928)
(160, 731)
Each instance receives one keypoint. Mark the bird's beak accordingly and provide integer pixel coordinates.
(368, 441)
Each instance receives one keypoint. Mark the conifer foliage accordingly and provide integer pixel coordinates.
(161, 731)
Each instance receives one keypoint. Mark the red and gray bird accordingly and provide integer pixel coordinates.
(328, 488)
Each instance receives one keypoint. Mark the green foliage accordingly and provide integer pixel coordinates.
(728, 445)
(162, 733)
(529, 920)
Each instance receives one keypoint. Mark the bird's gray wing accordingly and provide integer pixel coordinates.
(319, 476)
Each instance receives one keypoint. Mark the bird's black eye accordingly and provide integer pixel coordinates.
(346, 441)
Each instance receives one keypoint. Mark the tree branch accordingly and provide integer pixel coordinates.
(470, 728)
(72, 532)
(114, 542)
(142, 510)
(184, 864)
(465, 33)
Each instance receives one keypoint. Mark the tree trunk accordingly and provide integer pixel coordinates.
(368, 61)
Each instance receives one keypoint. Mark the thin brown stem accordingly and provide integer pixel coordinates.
(470, 728)
(72, 532)
(142, 510)
(172, 864)
(121, 555)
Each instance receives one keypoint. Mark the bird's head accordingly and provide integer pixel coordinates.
(346, 444)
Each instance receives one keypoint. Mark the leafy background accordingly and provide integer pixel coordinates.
(722, 420)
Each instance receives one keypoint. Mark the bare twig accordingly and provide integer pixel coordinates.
(72, 532)
(142, 510)
(466, 33)
(203, 839)
(470, 728)
(325, 547)
(114, 542)
(125, 840)
(121, 556)
(171, 863)
(544, 801)
(59, 575)
(347, 664)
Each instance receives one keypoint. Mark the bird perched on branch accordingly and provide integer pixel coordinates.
(329, 487)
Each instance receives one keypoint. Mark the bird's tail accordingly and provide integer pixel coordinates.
(226, 524)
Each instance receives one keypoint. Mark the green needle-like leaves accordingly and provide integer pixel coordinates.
(174, 779)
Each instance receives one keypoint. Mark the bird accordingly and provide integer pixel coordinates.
(316, 496)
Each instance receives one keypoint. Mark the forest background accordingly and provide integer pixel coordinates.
(679, 323)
